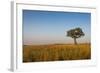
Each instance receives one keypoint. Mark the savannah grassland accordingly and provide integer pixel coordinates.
(56, 52)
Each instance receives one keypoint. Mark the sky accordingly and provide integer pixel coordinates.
(50, 27)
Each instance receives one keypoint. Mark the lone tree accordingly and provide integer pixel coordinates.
(75, 33)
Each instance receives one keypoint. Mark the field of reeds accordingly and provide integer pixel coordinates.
(56, 52)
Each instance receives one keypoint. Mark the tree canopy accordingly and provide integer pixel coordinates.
(75, 33)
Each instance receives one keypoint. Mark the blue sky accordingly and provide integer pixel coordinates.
(49, 27)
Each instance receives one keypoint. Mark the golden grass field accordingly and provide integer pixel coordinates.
(56, 52)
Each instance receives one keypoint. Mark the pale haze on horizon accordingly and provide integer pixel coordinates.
(50, 27)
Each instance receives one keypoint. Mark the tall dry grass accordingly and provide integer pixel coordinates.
(56, 52)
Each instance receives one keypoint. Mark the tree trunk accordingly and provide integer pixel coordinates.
(75, 42)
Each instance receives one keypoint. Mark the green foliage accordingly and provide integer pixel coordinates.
(75, 33)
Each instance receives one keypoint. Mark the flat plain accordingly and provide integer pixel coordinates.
(56, 52)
